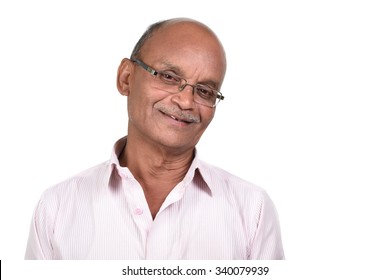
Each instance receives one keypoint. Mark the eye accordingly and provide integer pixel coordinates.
(169, 78)
(206, 92)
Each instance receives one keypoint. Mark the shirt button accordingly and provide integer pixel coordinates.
(138, 211)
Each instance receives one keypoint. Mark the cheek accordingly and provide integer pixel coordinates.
(136, 99)
(140, 102)
(135, 106)
(207, 116)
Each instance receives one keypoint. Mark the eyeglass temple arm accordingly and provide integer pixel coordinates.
(146, 67)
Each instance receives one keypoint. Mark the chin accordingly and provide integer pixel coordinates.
(178, 146)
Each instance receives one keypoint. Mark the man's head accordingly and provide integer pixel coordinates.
(178, 48)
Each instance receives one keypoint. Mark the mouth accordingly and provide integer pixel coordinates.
(178, 119)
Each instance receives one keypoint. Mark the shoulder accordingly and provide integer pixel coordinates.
(222, 181)
(79, 185)
(251, 201)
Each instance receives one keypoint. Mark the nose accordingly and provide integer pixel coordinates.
(184, 99)
(182, 87)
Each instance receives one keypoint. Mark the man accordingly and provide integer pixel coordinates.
(155, 199)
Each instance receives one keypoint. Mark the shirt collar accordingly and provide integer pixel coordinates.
(117, 150)
(197, 170)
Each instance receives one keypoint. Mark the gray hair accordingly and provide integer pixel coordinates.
(147, 35)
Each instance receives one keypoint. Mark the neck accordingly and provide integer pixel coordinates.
(154, 164)
(148, 160)
(156, 169)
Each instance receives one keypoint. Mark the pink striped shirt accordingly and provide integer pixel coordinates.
(102, 213)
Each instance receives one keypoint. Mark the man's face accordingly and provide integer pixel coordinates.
(174, 121)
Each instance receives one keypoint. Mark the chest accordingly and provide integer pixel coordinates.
(187, 228)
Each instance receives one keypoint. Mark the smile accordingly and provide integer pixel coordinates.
(179, 120)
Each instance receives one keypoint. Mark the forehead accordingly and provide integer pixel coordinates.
(186, 30)
(185, 44)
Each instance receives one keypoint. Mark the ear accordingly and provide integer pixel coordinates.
(125, 70)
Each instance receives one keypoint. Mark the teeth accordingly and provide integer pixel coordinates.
(176, 119)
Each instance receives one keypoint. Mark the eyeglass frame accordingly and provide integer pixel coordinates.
(154, 72)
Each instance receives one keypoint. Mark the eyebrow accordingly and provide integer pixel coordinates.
(178, 71)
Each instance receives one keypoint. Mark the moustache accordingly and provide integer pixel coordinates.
(177, 113)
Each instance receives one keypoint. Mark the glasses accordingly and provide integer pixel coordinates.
(168, 81)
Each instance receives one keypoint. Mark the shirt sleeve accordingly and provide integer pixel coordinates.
(267, 242)
(39, 245)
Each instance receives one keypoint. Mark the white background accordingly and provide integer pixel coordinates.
(306, 114)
